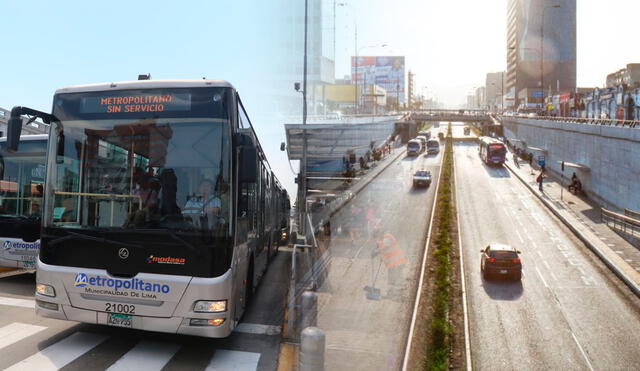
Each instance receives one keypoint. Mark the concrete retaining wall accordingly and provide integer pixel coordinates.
(611, 153)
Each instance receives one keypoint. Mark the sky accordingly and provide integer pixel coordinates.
(449, 44)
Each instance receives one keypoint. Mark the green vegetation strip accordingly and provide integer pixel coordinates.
(438, 344)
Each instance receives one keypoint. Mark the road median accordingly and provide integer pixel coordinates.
(438, 338)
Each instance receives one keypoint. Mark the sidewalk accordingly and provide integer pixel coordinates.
(582, 216)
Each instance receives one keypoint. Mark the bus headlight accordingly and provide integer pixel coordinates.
(45, 290)
(283, 235)
(210, 306)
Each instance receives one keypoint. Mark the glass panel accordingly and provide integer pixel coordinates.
(22, 179)
(156, 173)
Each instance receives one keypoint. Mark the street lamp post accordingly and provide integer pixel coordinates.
(302, 186)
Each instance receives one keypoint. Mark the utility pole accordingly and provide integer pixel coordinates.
(302, 203)
(355, 76)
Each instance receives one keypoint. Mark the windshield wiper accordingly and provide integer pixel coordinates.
(80, 236)
(173, 236)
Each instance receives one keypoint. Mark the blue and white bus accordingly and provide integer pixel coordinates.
(22, 175)
(161, 211)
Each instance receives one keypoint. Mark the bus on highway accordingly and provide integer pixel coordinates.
(22, 175)
(492, 151)
(161, 211)
(414, 147)
(433, 146)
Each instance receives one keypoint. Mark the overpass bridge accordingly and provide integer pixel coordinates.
(477, 116)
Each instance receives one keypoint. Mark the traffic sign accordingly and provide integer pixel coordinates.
(541, 161)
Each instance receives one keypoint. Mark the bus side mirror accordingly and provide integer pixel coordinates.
(248, 170)
(13, 133)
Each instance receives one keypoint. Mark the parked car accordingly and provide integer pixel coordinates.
(501, 260)
(422, 178)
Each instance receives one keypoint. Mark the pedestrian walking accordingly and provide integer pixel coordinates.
(540, 180)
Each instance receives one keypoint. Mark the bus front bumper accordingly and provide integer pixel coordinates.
(174, 325)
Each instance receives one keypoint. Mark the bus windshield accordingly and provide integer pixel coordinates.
(141, 160)
(22, 179)
(497, 149)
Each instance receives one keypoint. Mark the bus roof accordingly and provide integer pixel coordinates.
(490, 140)
(29, 137)
(144, 84)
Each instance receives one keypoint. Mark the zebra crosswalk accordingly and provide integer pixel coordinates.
(144, 355)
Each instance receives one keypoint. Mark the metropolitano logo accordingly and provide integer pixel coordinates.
(81, 280)
(6, 245)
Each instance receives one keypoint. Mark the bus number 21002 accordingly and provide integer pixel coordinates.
(120, 308)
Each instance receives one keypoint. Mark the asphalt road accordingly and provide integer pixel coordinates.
(569, 312)
(28, 342)
(364, 333)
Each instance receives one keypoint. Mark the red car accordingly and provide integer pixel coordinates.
(501, 260)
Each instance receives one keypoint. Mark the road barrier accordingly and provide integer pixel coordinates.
(578, 120)
(309, 309)
(312, 346)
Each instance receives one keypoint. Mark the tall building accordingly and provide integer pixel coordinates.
(494, 90)
(320, 52)
(541, 49)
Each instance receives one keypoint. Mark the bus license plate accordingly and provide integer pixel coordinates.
(119, 320)
(503, 271)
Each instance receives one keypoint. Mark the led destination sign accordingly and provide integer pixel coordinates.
(132, 103)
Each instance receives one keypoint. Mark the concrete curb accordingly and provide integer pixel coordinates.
(601, 254)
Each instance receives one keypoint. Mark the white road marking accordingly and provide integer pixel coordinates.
(582, 351)
(61, 353)
(13, 302)
(546, 264)
(224, 360)
(146, 355)
(17, 331)
(519, 236)
(256, 328)
(542, 278)
(540, 253)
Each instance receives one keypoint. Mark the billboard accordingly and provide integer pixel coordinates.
(386, 72)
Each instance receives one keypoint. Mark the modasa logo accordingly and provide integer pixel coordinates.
(83, 280)
(166, 260)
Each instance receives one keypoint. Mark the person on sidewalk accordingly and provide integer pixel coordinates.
(540, 179)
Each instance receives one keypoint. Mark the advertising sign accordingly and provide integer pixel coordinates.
(386, 72)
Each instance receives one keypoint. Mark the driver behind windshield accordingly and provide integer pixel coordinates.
(203, 209)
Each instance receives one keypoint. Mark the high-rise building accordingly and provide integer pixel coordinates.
(494, 90)
(320, 51)
(541, 49)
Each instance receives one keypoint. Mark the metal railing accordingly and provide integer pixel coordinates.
(632, 214)
(579, 120)
(620, 222)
